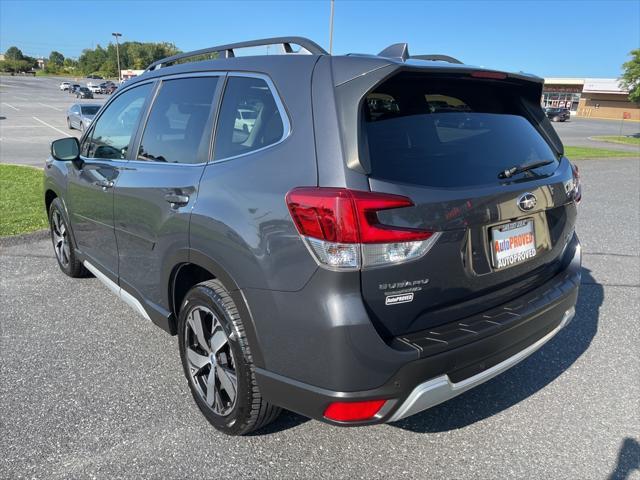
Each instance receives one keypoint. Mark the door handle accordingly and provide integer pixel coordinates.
(176, 200)
(105, 184)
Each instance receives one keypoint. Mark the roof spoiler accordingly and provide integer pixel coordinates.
(400, 51)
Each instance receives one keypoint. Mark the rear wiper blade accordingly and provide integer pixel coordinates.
(510, 172)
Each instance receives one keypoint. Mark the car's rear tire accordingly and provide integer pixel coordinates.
(217, 361)
(69, 124)
(62, 243)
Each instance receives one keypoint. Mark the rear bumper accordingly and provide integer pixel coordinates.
(441, 389)
(437, 374)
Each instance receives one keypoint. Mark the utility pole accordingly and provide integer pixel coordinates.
(331, 29)
(116, 34)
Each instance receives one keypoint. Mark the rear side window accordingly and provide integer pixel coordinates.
(178, 129)
(449, 132)
(249, 118)
(113, 130)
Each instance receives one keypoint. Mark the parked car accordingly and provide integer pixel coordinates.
(73, 88)
(65, 86)
(95, 77)
(95, 88)
(245, 118)
(558, 114)
(110, 88)
(83, 92)
(80, 115)
(347, 259)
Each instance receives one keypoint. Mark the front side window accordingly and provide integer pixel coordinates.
(179, 126)
(249, 118)
(112, 132)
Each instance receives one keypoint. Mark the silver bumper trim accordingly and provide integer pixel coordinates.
(441, 389)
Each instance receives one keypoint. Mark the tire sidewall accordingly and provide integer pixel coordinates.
(56, 205)
(235, 421)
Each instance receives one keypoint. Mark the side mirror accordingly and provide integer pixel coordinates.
(65, 149)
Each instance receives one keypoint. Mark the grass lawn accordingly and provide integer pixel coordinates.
(619, 139)
(21, 200)
(577, 153)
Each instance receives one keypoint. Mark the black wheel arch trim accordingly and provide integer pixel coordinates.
(186, 256)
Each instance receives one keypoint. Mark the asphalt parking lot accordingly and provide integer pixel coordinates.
(32, 114)
(88, 389)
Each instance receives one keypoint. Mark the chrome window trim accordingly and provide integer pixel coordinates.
(284, 115)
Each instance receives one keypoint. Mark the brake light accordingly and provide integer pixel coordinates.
(493, 75)
(342, 229)
(353, 411)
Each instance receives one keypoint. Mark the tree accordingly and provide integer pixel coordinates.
(631, 77)
(56, 58)
(13, 53)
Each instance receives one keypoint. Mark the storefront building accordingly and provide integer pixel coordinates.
(590, 97)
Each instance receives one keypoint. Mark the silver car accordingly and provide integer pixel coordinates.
(80, 115)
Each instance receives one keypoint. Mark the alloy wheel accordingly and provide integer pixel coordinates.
(212, 367)
(60, 238)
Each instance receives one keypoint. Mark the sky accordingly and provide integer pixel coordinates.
(549, 38)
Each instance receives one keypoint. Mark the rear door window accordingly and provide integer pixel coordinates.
(178, 129)
(249, 118)
(449, 133)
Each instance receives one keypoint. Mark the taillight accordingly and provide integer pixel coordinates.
(353, 411)
(486, 74)
(342, 229)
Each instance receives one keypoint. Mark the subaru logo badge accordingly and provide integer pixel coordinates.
(527, 201)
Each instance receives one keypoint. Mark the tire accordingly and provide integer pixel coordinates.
(62, 244)
(212, 354)
(69, 124)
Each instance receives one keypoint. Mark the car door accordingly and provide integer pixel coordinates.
(92, 179)
(155, 194)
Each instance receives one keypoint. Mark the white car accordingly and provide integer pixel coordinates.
(245, 119)
(94, 88)
(64, 86)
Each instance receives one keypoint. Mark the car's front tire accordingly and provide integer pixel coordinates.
(62, 243)
(217, 361)
(69, 124)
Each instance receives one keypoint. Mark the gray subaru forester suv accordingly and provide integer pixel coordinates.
(354, 238)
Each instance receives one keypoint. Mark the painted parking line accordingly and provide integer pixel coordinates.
(11, 106)
(50, 106)
(51, 126)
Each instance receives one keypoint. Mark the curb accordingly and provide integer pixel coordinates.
(24, 238)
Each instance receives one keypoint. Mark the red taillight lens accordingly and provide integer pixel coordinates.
(492, 75)
(324, 213)
(340, 215)
(353, 411)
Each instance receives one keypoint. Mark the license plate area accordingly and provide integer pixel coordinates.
(512, 243)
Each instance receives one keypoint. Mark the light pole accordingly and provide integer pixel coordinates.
(116, 34)
(331, 29)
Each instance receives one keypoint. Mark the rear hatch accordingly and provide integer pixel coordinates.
(444, 141)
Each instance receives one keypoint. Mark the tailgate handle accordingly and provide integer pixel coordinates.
(176, 200)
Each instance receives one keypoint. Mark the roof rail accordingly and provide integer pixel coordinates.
(437, 58)
(228, 50)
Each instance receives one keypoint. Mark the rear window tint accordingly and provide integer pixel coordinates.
(451, 133)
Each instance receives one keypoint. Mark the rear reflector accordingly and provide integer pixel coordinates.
(353, 411)
(494, 75)
(341, 225)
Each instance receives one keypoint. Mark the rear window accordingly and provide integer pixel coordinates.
(90, 110)
(449, 132)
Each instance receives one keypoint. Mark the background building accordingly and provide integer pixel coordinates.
(590, 97)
